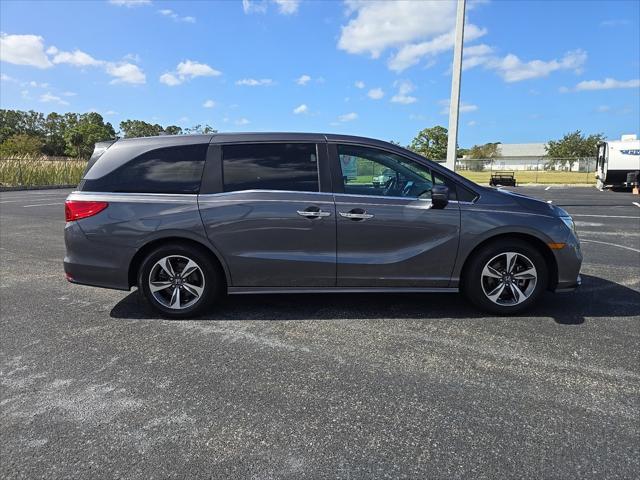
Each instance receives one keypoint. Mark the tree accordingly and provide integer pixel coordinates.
(173, 130)
(571, 147)
(89, 130)
(200, 129)
(431, 143)
(21, 144)
(54, 128)
(479, 156)
(140, 128)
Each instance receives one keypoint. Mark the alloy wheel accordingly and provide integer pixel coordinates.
(176, 282)
(508, 279)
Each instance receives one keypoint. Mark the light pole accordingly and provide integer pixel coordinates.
(456, 74)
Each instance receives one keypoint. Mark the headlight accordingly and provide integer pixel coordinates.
(568, 221)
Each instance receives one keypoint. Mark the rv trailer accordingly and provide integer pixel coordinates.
(618, 162)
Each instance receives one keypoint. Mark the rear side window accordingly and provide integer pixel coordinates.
(270, 166)
(165, 170)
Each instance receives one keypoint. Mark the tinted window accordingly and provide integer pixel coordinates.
(369, 171)
(270, 166)
(165, 170)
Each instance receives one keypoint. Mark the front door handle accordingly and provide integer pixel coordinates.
(313, 212)
(356, 214)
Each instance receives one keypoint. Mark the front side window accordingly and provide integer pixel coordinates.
(369, 171)
(270, 166)
(164, 170)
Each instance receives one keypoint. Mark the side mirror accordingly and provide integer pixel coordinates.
(439, 196)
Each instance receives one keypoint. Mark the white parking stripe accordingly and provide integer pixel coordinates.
(547, 188)
(603, 216)
(610, 244)
(636, 204)
(43, 204)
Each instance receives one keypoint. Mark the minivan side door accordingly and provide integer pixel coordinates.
(268, 217)
(388, 234)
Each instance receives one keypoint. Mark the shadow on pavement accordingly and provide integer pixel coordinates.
(596, 298)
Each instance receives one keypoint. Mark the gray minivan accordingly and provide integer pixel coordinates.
(189, 218)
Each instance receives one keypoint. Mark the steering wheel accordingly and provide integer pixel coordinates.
(407, 188)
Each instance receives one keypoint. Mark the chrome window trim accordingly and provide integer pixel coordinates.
(135, 197)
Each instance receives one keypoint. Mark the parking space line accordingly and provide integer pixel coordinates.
(610, 244)
(547, 188)
(636, 204)
(43, 204)
(604, 216)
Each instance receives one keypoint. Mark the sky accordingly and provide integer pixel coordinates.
(532, 70)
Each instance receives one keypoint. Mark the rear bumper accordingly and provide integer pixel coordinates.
(92, 263)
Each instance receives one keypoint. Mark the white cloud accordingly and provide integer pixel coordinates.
(130, 3)
(404, 89)
(301, 109)
(209, 104)
(607, 84)
(412, 53)
(169, 79)
(472, 123)
(287, 7)
(254, 6)
(49, 97)
(34, 84)
(126, 73)
(167, 12)
(618, 22)
(375, 93)
(603, 108)
(66, 94)
(110, 112)
(186, 71)
(512, 69)
(348, 117)
(303, 79)
(190, 69)
(359, 84)
(252, 82)
(23, 50)
(242, 121)
(6, 78)
(77, 58)
(381, 25)
(464, 107)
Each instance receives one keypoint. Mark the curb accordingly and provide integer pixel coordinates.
(35, 187)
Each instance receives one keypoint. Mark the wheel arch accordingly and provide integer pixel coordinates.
(536, 242)
(143, 251)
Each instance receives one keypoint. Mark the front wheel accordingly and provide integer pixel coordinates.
(179, 281)
(506, 277)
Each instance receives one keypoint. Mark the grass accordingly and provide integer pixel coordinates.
(542, 176)
(522, 176)
(29, 171)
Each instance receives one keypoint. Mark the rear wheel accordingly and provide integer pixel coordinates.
(506, 277)
(179, 281)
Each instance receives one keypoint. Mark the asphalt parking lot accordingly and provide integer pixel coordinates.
(337, 386)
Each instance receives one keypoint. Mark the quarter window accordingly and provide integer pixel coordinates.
(270, 166)
(164, 170)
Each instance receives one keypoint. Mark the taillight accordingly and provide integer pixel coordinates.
(77, 209)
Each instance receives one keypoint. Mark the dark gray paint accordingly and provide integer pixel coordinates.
(262, 243)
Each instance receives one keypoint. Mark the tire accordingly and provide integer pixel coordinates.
(184, 296)
(480, 285)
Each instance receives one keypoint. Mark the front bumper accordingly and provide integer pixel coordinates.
(568, 287)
